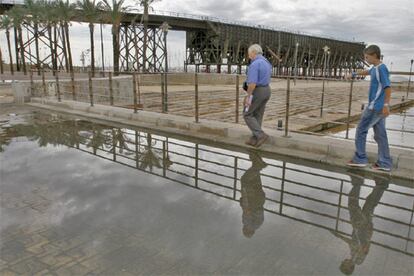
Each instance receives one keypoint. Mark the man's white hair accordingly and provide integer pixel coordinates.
(256, 48)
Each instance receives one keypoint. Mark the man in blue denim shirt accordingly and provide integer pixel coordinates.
(258, 94)
(374, 115)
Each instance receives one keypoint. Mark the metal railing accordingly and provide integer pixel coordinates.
(107, 90)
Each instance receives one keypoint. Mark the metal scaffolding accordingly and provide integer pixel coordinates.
(290, 53)
(132, 49)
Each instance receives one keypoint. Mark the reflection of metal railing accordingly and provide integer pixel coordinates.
(219, 172)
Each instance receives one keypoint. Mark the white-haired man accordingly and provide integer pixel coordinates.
(258, 79)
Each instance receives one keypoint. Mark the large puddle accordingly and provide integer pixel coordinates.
(83, 198)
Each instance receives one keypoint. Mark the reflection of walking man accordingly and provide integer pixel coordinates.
(361, 220)
(258, 94)
(252, 196)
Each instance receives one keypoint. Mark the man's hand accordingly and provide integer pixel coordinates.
(386, 111)
(247, 101)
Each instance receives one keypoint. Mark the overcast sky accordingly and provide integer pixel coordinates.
(389, 24)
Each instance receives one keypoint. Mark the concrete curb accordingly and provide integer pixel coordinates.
(323, 150)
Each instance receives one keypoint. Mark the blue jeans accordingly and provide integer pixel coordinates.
(374, 119)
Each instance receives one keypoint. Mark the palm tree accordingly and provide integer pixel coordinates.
(34, 11)
(6, 24)
(1, 62)
(49, 19)
(146, 4)
(115, 11)
(91, 13)
(98, 139)
(65, 11)
(17, 14)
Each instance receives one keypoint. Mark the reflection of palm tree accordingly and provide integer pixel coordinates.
(252, 196)
(49, 133)
(98, 139)
(122, 140)
(119, 140)
(361, 220)
(5, 140)
(166, 160)
(74, 138)
(149, 158)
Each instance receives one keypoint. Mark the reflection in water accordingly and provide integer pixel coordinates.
(310, 196)
(361, 221)
(252, 196)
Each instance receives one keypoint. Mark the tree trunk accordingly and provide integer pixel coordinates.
(65, 53)
(92, 49)
(36, 34)
(136, 48)
(22, 50)
(1, 63)
(52, 53)
(102, 51)
(144, 51)
(10, 52)
(68, 47)
(55, 46)
(115, 45)
(16, 48)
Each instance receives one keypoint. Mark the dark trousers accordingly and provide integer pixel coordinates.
(254, 116)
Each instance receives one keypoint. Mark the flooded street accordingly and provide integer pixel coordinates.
(90, 199)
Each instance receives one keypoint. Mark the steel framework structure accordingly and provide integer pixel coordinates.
(211, 41)
(290, 53)
(132, 49)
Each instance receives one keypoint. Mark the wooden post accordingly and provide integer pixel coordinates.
(287, 107)
(90, 87)
(196, 96)
(43, 82)
(111, 89)
(72, 81)
(57, 86)
(134, 86)
(349, 109)
(237, 97)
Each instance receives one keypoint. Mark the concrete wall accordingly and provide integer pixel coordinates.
(122, 88)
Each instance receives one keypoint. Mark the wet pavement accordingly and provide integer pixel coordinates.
(84, 199)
